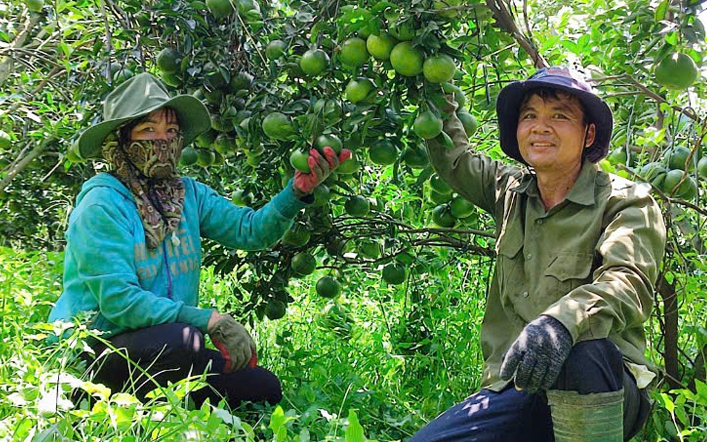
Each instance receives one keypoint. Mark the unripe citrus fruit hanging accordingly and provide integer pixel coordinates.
(394, 273)
(277, 126)
(381, 45)
(298, 160)
(702, 167)
(427, 125)
(328, 287)
(275, 49)
(330, 140)
(296, 236)
(313, 62)
(469, 122)
(439, 68)
(460, 207)
(220, 8)
(353, 52)
(275, 309)
(406, 59)
(442, 216)
(357, 205)
(34, 5)
(416, 157)
(676, 71)
(303, 263)
(205, 157)
(678, 157)
(358, 89)
(403, 31)
(439, 185)
(168, 60)
(383, 153)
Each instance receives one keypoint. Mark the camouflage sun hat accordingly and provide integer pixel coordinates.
(135, 98)
(560, 78)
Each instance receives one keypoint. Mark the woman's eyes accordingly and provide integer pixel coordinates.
(171, 130)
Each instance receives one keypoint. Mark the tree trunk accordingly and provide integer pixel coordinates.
(670, 332)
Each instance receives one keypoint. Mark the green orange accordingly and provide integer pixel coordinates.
(394, 273)
(380, 46)
(313, 62)
(676, 71)
(439, 68)
(275, 49)
(383, 153)
(277, 126)
(427, 125)
(406, 59)
(299, 160)
(358, 90)
(303, 263)
(328, 287)
(353, 52)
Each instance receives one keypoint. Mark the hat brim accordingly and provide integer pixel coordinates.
(193, 118)
(508, 111)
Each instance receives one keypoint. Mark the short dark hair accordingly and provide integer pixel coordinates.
(549, 93)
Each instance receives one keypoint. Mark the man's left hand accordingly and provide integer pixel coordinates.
(537, 356)
(321, 166)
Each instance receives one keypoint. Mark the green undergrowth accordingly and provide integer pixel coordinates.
(386, 361)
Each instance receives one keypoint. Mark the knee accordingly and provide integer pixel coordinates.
(593, 366)
(182, 342)
(272, 389)
(597, 352)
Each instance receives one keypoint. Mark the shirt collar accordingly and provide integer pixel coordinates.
(581, 193)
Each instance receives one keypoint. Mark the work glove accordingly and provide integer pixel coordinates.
(536, 357)
(321, 166)
(234, 343)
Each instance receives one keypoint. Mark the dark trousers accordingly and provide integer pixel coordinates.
(511, 415)
(169, 353)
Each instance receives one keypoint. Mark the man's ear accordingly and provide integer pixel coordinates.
(590, 134)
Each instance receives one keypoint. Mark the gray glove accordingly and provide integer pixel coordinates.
(536, 357)
(233, 341)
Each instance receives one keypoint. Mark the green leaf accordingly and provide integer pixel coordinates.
(661, 10)
(354, 432)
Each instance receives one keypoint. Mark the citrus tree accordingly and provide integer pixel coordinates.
(371, 76)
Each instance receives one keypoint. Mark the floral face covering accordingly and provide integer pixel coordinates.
(149, 169)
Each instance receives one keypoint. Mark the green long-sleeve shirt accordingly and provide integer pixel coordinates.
(590, 262)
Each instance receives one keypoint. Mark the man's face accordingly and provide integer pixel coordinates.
(551, 133)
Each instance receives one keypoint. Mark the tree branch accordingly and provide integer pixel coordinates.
(7, 65)
(504, 17)
(21, 164)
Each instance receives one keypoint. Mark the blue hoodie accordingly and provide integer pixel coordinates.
(109, 270)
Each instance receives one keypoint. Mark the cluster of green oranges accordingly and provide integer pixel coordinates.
(674, 175)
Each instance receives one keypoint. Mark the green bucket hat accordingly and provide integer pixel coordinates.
(135, 98)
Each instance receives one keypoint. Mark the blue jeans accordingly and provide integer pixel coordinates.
(171, 352)
(511, 415)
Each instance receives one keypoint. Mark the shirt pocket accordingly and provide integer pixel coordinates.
(567, 271)
(510, 269)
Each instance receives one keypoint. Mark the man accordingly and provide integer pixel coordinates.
(578, 252)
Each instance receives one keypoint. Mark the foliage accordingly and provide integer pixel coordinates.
(56, 65)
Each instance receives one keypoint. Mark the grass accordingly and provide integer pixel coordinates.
(399, 356)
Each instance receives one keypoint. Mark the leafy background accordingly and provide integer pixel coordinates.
(382, 359)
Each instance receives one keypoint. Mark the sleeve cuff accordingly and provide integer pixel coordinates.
(198, 317)
(287, 203)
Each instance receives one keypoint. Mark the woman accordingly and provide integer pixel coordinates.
(133, 250)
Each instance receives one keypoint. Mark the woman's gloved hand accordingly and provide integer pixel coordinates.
(233, 341)
(321, 166)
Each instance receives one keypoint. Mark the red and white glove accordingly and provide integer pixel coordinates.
(234, 343)
(320, 169)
